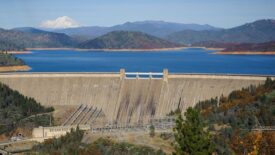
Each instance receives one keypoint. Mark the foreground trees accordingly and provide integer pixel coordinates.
(234, 118)
(17, 110)
(191, 138)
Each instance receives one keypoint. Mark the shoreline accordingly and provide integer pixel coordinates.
(110, 50)
(245, 53)
(208, 48)
(126, 50)
(14, 68)
(218, 50)
(19, 52)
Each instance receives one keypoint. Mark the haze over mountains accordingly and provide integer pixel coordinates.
(150, 32)
(155, 28)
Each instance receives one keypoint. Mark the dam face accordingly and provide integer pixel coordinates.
(125, 100)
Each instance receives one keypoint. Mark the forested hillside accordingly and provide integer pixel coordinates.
(17, 110)
(30, 37)
(127, 40)
(10, 60)
(9, 46)
(260, 47)
(232, 119)
(255, 32)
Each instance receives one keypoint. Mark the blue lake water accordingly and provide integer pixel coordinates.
(184, 61)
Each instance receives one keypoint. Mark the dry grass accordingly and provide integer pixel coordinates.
(138, 138)
(62, 112)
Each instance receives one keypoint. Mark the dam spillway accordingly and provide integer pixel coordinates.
(122, 99)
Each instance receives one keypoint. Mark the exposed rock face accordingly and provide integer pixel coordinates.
(125, 100)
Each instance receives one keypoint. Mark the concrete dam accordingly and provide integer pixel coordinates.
(122, 99)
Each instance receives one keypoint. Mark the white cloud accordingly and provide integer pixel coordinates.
(60, 22)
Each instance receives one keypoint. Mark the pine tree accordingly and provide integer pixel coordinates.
(190, 135)
(152, 130)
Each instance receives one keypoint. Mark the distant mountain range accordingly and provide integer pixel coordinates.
(127, 40)
(155, 28)
(145, 34)
(31, 37)
(256, 32)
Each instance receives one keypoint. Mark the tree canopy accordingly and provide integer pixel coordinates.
(231, 119)
(191, 137)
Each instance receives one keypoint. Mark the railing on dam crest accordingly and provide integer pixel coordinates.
(144, 75)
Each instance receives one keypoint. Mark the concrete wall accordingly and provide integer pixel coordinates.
(125, 100)
(56, 131)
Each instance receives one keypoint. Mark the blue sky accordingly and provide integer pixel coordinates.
(220, 13)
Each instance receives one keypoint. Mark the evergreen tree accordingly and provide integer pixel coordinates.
(152, 130)
(17, 110)
(190, 136)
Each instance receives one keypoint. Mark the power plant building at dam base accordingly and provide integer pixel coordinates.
(126, 97)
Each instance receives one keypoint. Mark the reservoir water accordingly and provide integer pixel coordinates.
(192, 60)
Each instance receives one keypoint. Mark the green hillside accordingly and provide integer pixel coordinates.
(127, 40)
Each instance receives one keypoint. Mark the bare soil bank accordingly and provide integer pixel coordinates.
(14, 68)
(19, 52)
(247, 53)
